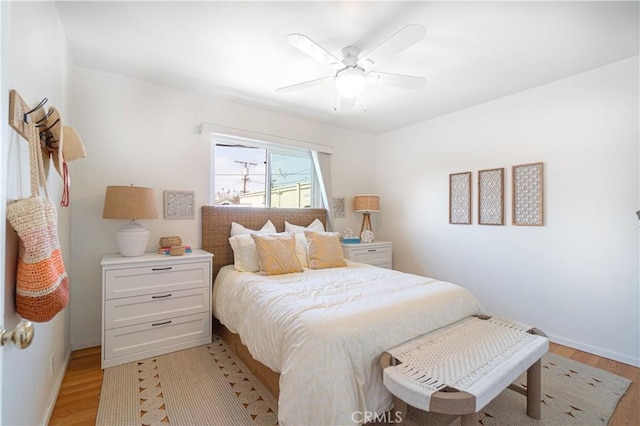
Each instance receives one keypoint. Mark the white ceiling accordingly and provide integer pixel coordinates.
(473, 51)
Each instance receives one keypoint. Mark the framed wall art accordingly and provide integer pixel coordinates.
(179, 204)
(339, 208)
(526, 197)
(460, 198)
(491, 197)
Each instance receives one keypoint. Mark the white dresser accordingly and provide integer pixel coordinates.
(154, 304)
(378, 253)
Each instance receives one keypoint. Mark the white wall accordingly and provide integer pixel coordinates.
(576, 278)
(146, 134)
(36, 64)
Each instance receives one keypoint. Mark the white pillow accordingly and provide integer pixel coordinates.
(315, 226)
(245, 256)
(302, 249)
(267, 228)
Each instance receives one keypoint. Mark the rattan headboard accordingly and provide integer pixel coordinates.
(216, 226)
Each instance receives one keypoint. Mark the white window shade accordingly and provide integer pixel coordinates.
(322, 163)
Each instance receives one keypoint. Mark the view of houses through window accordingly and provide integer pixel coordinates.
(256, 176)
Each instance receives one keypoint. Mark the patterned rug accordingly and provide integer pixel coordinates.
(209, 385)
(205, 385)
(572, 394)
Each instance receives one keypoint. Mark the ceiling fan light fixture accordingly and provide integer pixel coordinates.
(350, 82)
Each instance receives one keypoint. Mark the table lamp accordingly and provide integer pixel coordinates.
(130, 203)
(366, 204)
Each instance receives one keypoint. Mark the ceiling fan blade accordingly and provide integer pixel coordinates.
(407, 36)
(305, 85)
(395, 80)
(311, 48)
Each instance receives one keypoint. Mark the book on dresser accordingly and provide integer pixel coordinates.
(154, 304)
(350, 240)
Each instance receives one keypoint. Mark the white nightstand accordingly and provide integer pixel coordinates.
(378, 253)
(154, 304)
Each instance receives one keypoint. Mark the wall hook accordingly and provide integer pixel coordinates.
(50, 127)
(40, 105)
(40, 123)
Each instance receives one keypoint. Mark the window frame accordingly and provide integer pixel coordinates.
(270, 148)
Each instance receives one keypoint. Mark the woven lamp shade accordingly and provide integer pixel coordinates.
(366, 203)
(129, 202)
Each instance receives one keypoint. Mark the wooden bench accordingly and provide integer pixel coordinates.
(460, 368)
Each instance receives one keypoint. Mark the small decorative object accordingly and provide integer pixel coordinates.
(338, 208)
(179, 204)
(366, 204)
(367, 236)
(527, 194)
(348, 232)
(170, 241)
(460, 198)
(130, 203)
(491, 197)
(177, 250)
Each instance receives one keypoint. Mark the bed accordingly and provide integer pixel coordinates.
(320, 333)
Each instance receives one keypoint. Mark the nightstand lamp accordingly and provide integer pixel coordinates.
(366, 204)
(130, 203)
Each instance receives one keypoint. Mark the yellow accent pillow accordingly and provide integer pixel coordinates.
(277, 254)
(325, 250)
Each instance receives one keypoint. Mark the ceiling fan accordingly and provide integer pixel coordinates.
(353, 72)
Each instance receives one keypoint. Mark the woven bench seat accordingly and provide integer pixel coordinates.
(460, 368)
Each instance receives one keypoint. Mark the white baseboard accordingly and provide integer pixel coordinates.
(83, 344)
(56, 390)
(596, 350)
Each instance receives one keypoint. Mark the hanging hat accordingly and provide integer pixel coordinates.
(73, 148)
(53, 137)
(51, 134)
(57, 142)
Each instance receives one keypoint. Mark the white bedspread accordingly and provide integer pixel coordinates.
(324, 331)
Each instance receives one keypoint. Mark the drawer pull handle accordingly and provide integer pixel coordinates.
(160, 323)
(371, 250)
(162, 269)
(161, 297)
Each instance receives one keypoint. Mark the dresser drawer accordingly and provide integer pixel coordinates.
(380, 263)
(151, 307)
(157, 337)
(155, 279)
(370, 255)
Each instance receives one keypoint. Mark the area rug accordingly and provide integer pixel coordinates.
(209, 385)
(572, 394)
(205, 385)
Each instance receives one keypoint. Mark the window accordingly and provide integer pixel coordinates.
(252, 174)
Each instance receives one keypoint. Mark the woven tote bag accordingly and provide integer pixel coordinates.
(42, 288)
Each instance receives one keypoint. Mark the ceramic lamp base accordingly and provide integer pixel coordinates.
(132, 239)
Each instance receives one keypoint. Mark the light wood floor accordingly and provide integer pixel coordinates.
(79, 395)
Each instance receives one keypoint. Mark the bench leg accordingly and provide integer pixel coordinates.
(534, 389)
(400, 410)
(470, 419)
